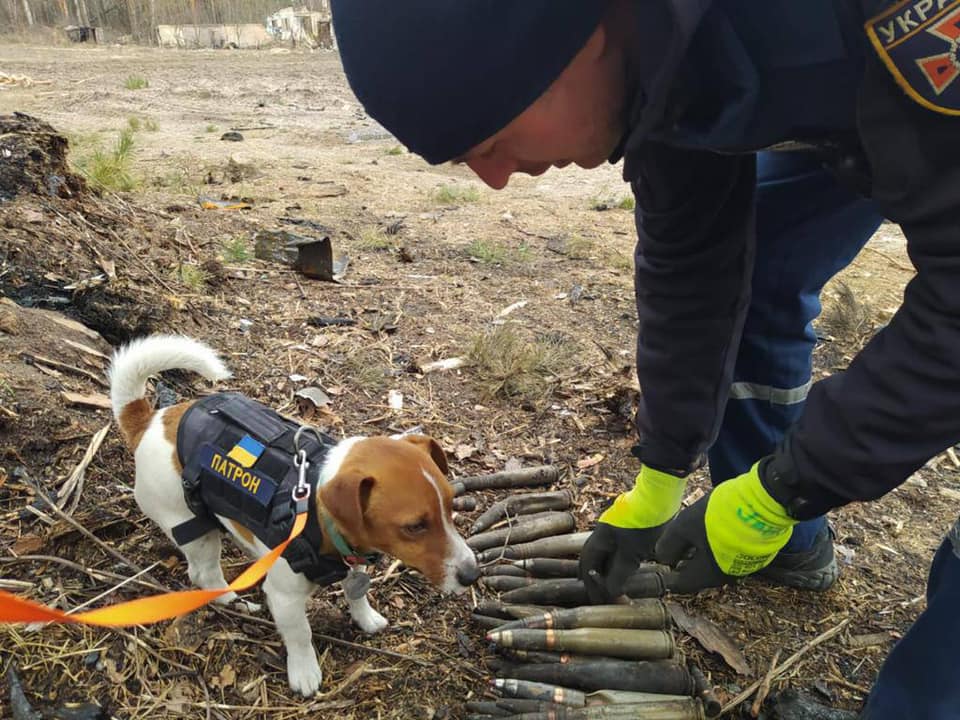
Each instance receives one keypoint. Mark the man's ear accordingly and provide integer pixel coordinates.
(432, 448)
(346, 496)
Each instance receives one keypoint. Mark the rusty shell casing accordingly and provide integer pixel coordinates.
(703, 690)
(521, 505)
(645, 614)
(624, 697)
(545, 656)
(615, 642)
(511, 570)
(505, 583)
(560, 546)
(549, 567)
(511, 687)
(527, 477)
(683, 709)
(486, 708)
(525, 530)
(661, 676)
(465, 503)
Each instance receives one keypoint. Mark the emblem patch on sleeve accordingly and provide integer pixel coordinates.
(919, 42)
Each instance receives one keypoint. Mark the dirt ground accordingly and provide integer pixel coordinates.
(437, 262)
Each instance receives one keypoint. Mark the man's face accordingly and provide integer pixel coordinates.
(579, 119)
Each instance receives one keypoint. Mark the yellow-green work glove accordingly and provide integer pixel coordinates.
(627, 533)
(733, 531)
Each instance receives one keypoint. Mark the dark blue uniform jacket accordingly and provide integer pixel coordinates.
(734, 76)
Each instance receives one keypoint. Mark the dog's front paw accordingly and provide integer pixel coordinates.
(305, 675)
(371, 622)
(248, 607)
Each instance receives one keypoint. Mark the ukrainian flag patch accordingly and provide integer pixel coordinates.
(246, 452)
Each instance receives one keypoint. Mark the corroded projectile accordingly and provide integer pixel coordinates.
(661, 676)
(521, 505)
(545, 656)
(614, 642)
(571, 593)
(527, 477)
(703, 690)
(525, 705)
(649, 614)
(486, 708)
(525, 530)
(548, 567)
(512, 687)
(623, 697)
(511, 570)
(497, 609)
(503, 583)
(685, 709)
(465, 503)
(561, 546)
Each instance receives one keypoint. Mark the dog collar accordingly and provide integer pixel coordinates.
(350, 555)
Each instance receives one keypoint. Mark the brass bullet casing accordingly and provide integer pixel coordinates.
(648, 613)
(521, 505)
(615, 642)
(663, 677)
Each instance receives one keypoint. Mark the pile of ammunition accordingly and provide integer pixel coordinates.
(559, 658)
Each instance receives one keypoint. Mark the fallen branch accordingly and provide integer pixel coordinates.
(68, 368)
(73, 485)
(785, 665)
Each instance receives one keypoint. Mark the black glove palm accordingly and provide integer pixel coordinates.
(611, 555)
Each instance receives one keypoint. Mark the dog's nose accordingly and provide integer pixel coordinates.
(468, 575)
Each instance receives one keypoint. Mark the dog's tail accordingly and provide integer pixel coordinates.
(134, 363)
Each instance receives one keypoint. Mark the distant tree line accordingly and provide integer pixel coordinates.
(139, 17)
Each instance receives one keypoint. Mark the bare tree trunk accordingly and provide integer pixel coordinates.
(153, 22)
(132, 15)
(27, 13)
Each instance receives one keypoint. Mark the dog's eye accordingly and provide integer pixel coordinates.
(417, 528)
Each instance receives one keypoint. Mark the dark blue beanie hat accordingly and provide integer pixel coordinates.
(445, 75)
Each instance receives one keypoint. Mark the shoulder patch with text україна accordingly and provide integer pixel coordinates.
(919, 42)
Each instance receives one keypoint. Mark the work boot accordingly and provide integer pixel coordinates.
(814, 569)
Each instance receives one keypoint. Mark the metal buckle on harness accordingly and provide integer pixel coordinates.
(301, 492)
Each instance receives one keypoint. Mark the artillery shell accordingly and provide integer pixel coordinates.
(650, 677)
(544, 656)
(683, 709)
(492, 608)
(511, 687)
(548, 525)
(571, 593)
(554, 547)
(702, 689)
(647, 614)
(465, 504)
(627, 644)
(623, 697)
(510, 570)
(525, 705)
(521, 505)
(549, 567)
(486, 708)
(527, 477)
(503, 583)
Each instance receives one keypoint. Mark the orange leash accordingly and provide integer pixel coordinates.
(148, 610)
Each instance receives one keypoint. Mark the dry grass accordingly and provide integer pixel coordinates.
(455, 195)
(508, 365)
(847, 318)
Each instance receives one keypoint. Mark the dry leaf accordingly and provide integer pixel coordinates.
(590, 461)
(226, 677)
(27, 545)
(462, 452)
(710, 637)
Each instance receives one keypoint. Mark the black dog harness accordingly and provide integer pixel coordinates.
(239, 462)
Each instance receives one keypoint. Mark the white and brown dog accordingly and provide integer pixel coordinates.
(387, 494)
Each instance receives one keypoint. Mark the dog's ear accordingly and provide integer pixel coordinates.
(346, 497)
(432, 448)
